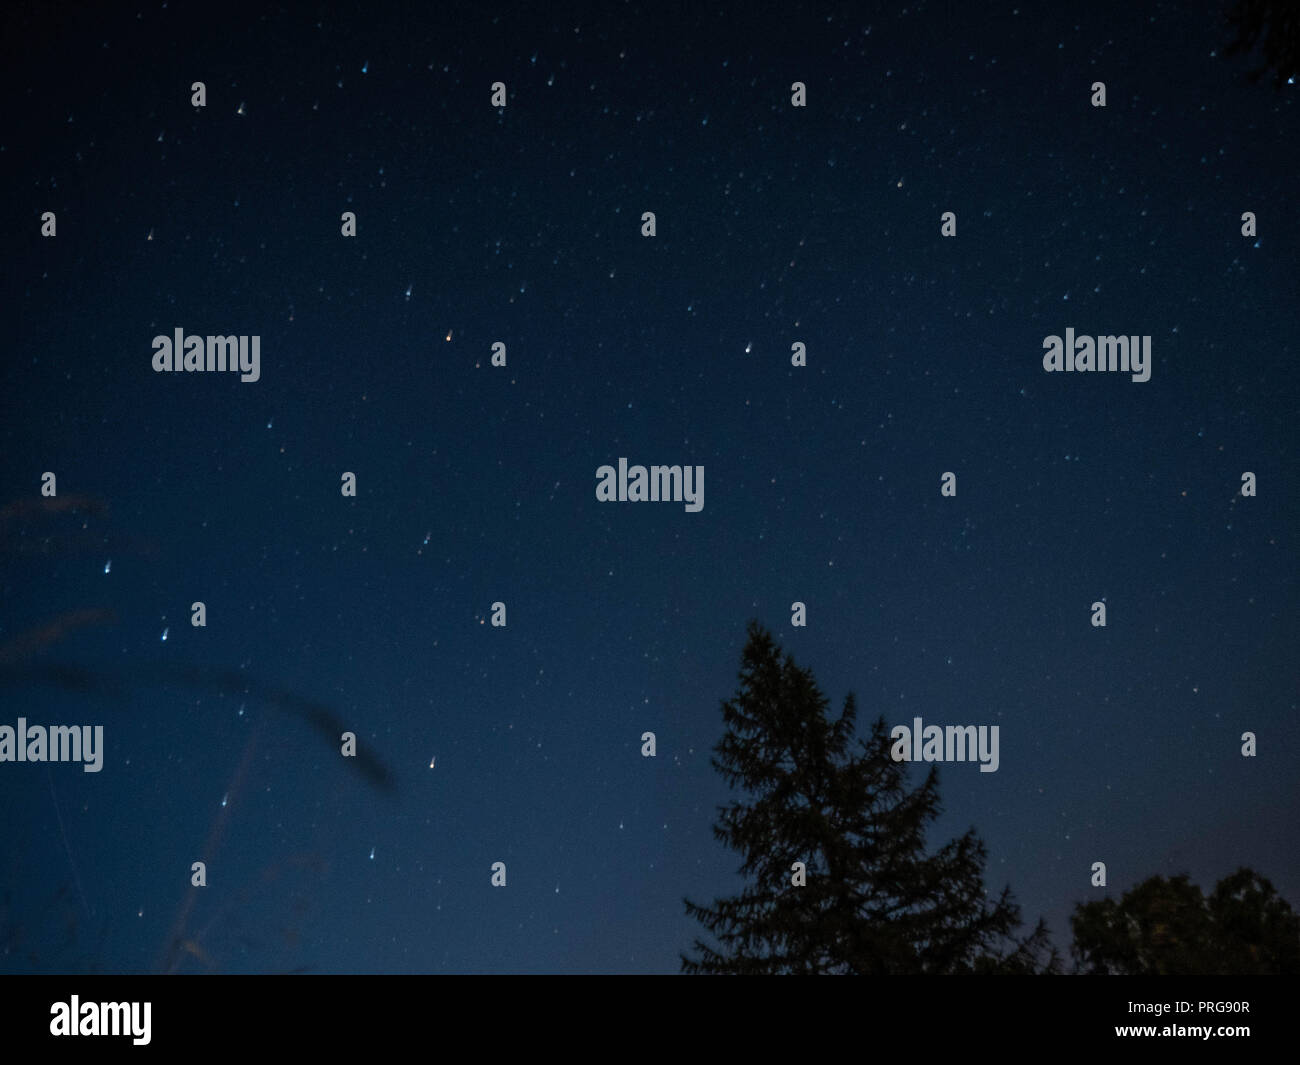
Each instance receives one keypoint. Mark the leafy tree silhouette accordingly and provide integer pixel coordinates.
(875, 902)
(1168, 927)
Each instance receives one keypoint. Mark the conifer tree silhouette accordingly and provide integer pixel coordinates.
(875, 902)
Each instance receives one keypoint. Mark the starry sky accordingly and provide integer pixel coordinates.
(476, 484)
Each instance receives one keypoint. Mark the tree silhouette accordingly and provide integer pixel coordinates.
(1168, 927)
(874, 901)
(1275, 24)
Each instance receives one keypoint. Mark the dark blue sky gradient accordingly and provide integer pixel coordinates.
(775, 225)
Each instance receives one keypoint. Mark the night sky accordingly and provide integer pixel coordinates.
(476, 483)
